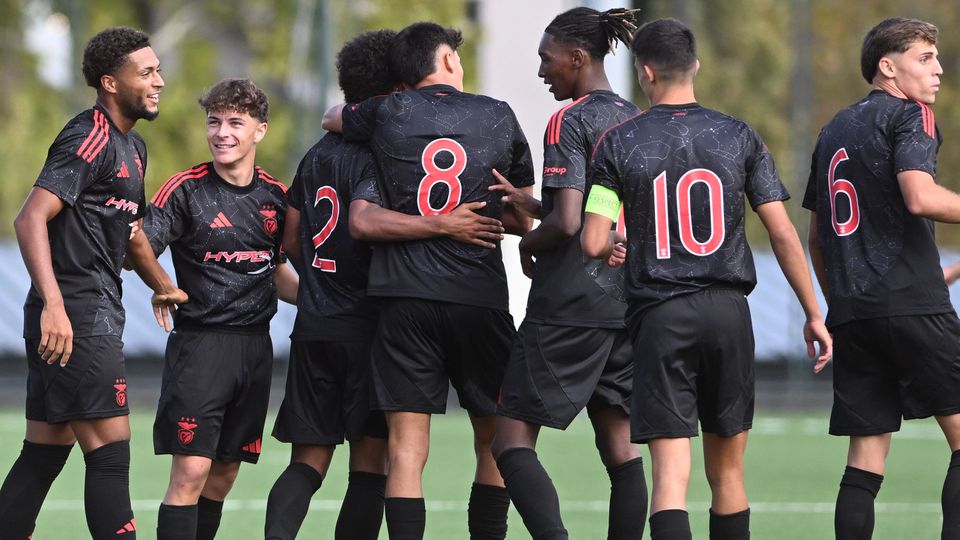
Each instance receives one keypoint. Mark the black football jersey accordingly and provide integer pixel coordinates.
(97, 171)
(569, 288)
(682, 172)
(332, 303)
(225, 242)
(436, 148)
(880, 260)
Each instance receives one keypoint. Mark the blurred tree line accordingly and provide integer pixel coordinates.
(784, 67)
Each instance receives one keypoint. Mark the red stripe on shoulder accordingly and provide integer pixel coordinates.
(163, 194)
(600, 139)
(267, 177)
(929, 122)
(96, 139)
(553, 128)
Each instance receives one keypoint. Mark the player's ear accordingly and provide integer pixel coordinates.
(260, 133)
(649, 73)
(887, 67)
(577, 57)
(108, 83)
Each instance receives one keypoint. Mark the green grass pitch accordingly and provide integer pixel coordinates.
(793, 469)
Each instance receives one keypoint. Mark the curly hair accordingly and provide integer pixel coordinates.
(108, 50)
(363, 66)
(414, 52)
(597, 32)
(239, 95)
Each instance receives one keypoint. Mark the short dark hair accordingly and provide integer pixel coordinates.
(596, 32)
(667, 45)
(108, 50)
(239, 95)
(414, 53)
(363, 66)
(893, 35)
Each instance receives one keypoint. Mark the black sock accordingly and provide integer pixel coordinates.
(670, 525)
(208, 517)
(628, 500)
(289, 500)
(730, 526)
(853, 519)
(487, 512)
(950, 500)
(177, 522)
(532, 492)
(406, 518)
(361, 513)
(26, 486)
(106, 492)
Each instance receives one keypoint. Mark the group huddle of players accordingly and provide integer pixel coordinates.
(637, 308)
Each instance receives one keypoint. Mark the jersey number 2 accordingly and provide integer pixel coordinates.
(329, 194)
(684, 217)
(840, 186)
(435, 175)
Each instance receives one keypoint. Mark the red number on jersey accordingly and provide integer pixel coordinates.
(329, 194)
(435, 175)
(840, 186)
(684, 215)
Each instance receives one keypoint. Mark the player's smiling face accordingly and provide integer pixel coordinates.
(915, 72)
(556, 67)
(139, 84)
(233, 136)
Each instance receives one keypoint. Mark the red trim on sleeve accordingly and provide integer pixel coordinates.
(97, 139)
(553, 127)
(163, 194)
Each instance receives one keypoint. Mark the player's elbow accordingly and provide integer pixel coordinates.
(593, 246)
(360, 229)
(917, 203)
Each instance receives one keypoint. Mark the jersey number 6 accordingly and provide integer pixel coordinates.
(330, 194)
(435, 175)
(684, 217)
(840, 186)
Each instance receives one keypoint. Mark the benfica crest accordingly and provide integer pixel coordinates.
(121, 387)
(269, 213)
(187, 425)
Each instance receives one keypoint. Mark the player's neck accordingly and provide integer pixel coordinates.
(439, 78)
(672, 95)
(890, 87)
(113, 111)
(239, 174)
(591, 83)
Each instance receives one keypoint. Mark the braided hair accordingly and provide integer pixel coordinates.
(596, 32)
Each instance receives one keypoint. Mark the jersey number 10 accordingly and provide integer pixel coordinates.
(684, 217)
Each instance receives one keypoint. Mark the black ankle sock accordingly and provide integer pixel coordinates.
(628, 500)
(670, 525)
(730, 526)
(209, 512)
(532, 492)
(853, 518)
(26, 486)
(950, 500)
(406, 518)
(106, 493)
(289, 500)
(487, 512)
(177, 522)
(361, 513)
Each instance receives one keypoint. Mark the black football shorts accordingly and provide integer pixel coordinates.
(693, 360)
(891, 368)
(422, 346)
(556, 371)
(214, 394)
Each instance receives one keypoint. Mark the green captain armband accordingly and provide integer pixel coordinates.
(603, 201)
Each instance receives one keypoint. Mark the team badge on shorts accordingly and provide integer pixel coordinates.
(269, 213)
(187, 425)
(121, 388)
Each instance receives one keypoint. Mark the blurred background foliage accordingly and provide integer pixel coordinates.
(784, 67)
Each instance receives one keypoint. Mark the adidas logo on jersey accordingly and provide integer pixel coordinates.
(253, 448)
(220, 221)
(124, 172)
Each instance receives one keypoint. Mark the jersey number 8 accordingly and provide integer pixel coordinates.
(330, 194)
(435, 175)
(840, 186)
(684, 217)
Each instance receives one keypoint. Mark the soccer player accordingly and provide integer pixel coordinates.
(73, 232)
(572, 350)
(327, 399)
(873, 200)
(682, 172)
(444, 315)
(223, 220)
